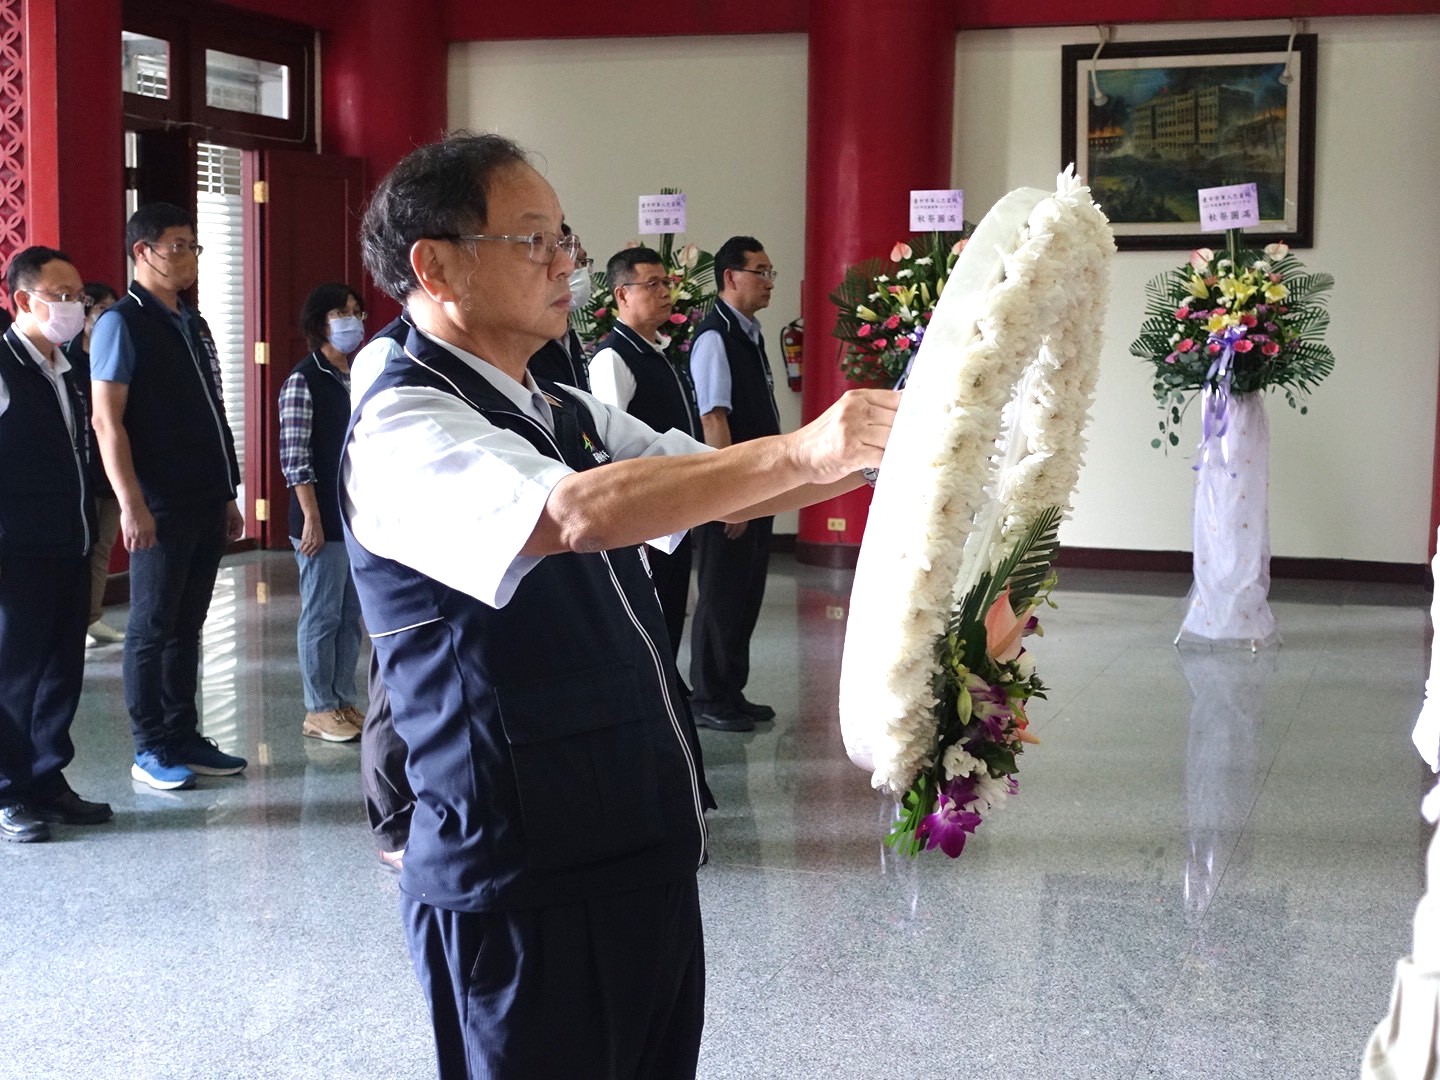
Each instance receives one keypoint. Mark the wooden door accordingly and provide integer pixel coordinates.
(303, 220)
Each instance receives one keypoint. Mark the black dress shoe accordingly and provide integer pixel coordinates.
(725, 720)
(20, 826)
(763, 713)
(67, 808)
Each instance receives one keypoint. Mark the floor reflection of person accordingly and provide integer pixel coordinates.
(494, 522)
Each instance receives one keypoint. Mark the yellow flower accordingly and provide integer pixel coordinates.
(1275, 293)
(1222, 321)
(1198, 288)
(1236, 291)
(866, 314)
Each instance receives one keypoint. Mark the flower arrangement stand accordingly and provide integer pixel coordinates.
(1229, 602)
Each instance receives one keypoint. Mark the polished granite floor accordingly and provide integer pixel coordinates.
(1209, 873)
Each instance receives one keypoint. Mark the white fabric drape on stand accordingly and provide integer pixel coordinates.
(1228, 603)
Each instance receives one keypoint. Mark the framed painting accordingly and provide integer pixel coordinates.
(1148, 124)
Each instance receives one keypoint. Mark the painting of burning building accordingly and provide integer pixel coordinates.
(1162, 119)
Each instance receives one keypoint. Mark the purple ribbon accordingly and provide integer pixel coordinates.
(1215, 406)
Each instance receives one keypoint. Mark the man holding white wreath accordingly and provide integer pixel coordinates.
(494, 523)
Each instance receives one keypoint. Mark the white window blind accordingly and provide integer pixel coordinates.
(219, 211)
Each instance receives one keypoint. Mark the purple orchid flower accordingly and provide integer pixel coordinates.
(947, 828)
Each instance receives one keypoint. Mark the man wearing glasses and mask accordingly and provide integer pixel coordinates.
(736, 391)
(170, 456)
(631, 371)
(47, 528)
(494, 522)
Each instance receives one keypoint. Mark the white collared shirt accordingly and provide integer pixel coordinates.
(431, 483)
(54, 368)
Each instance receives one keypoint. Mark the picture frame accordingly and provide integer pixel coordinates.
(1176, 116)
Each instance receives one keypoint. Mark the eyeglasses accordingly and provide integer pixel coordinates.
(652, 285)
(64, 297)
(338, 313)
(542, 245)
(764, 275)
(179, 247)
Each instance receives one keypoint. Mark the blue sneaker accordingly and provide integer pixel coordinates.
(161, 770)
(203, 756)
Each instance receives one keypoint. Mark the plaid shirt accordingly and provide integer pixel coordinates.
(297, 421)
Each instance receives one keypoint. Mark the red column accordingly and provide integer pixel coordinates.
(882, 77)
(384, 88)
(74, 134)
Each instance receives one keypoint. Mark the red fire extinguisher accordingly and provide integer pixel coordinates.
(792, 343)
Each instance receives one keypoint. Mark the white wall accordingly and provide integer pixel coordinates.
(724, 119)
(721, 118)
(1352, 479)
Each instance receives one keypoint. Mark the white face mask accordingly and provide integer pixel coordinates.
(579, 282)
(66, 321)
(346, 333)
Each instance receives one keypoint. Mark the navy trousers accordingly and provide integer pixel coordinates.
(604, 989)
(170, 587)
(672, 586)
(44, 610)
(389, 799)
(730, 577)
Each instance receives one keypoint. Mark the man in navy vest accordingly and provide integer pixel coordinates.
(494, 522)
(47, 528)
(736, 392)
(631, 371)
(160, 422)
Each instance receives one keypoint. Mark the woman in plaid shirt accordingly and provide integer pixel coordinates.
(314, 411)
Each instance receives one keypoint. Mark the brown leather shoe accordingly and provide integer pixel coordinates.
(354, 716)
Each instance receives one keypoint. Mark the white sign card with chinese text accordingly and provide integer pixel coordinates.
(1233, 207)
(662, 214)
(937, 211)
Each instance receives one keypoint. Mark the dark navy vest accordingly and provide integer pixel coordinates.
(753, 413)
(330, 403)
(182, 448)
(550, 749)
(46, 504)
(664, 395)
(551, 361)
(80, 364)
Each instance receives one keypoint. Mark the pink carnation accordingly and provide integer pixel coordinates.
(902, 343)
(892, 322)
(677, 318)
(864, 330)
(1270, 348)
(1182, 313)
(600, 313)
(880, 343)
(1244, 345)
(1186, 345)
